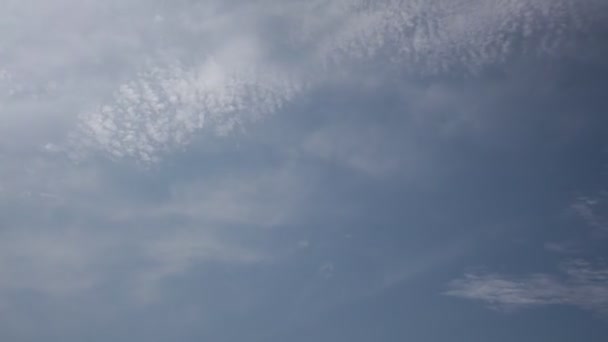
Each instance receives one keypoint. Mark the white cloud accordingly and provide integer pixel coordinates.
(164, 107)
(580, 284)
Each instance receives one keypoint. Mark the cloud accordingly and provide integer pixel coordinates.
(49, 262)
(129, 236)
(219, 77)
(6, 84)
(593, 211)
(364, 149)
(563, 247)
(138, 85)
(164, 108)
(176, 253)
(327, 269)
(66, 262)
(140, 80)
(444, 35)
(580, 284)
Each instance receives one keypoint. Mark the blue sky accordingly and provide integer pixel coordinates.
(323, 170)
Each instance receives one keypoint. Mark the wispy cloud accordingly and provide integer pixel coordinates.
(75, 243)
(66, 262)
(48, 262)
(593, 211)
(579, 284)
(176, 253)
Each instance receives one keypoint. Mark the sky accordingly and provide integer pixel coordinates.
(321, 170)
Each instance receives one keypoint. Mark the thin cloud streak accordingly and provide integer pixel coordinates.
(580, 284)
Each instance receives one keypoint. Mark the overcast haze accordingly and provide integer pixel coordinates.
(323, 170)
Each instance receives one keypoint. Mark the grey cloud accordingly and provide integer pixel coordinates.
(580, 284)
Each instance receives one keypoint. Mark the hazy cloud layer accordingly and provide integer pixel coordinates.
(261, 163)
(150, 76)
(83, 214)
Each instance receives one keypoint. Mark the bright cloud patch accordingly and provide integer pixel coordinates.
(164, 107)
